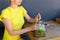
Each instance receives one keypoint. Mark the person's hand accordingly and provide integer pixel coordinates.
(32, 27)
(35, 27)
(38, 17)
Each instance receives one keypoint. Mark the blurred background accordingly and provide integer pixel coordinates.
(49, 9)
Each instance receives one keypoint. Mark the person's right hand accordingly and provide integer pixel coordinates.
(32, 27)
(35, 27)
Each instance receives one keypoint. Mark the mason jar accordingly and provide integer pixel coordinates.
(41, 30)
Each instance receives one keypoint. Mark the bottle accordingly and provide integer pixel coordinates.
(41, 30)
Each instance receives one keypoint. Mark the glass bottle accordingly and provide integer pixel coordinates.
(41, 30)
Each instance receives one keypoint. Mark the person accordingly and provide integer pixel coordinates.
(13, 19)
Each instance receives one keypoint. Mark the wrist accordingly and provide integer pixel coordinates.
(35, 20)
(29, 29)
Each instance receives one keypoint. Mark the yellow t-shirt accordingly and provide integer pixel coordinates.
(16, 15)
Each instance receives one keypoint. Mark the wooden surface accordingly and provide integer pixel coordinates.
(55, 38)
(58, 20)
(52, 32)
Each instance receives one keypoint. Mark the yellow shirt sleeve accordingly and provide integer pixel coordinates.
(6, 14)
(0, 18)
(24, 11)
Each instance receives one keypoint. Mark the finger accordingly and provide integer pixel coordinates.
(39, 16)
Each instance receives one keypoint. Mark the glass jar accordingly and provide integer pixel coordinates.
(41, 30)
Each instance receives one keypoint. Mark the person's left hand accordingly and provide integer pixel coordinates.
(38, 17)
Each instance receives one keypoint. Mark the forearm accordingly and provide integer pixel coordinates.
(18, 32)
(32, 20)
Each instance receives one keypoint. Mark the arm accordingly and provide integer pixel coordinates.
(8, 26)
(32, 20)
(29, 19)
